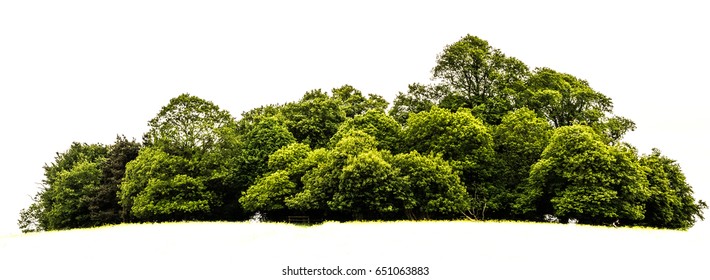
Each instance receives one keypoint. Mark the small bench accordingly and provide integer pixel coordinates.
(299, 219)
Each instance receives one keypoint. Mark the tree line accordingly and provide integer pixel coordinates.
(489, 138)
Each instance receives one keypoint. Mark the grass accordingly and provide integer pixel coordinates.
(452, 250)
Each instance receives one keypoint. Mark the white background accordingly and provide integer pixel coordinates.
(89, 70)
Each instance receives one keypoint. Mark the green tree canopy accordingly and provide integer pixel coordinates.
(487, 139)
(188, 124)
(579, 176)
(72, 182)
(354, 103)
(375, 123)
(671, 204)
(430, 187)
(419, 98)
(519, 141)
(481, 77)
(314, 119)
(564, 99)
(461, 139)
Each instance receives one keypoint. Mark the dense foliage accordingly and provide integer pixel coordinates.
(488, 139)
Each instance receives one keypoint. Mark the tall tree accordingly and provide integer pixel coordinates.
(187, 125)
(183, 173)
(481, 77)
(564, 99)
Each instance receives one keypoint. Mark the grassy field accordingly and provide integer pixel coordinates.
(451, 250)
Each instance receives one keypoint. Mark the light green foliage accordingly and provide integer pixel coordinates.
(271, 191)
(71, 193)
(198, 182)
(268, 193)
(481, 78)
(580, 176)
(489, 139)
(187, 125)
(151, 164)
(671, 204)
(354, 103)
(314, 119)
(318, 181)
(382, 127)
(288, 157)
(179, 198)
(519, 141)
(321, 182)
(254, 116)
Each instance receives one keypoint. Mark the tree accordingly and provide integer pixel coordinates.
(481, 78)
(104, 206)
(30, 217)
(613, 128)
(322, 183)
(579, 176)
(187, 125)
(254, 116)
(564, 99)
(178, 198)
(671, 204)
(270, 191)
(314, 119)
(430, 187)
(461, 139)
(519, 141)
(76, 153)
(71, 182)
(376, 123)
(191, 167)
(368, 187)
(152, 166)
(264, 139)
(354, 103)
(419, 98)
(221, 169)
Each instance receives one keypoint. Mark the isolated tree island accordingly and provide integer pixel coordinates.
(489, 138)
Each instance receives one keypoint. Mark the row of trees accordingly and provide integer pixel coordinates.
(489, 139)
